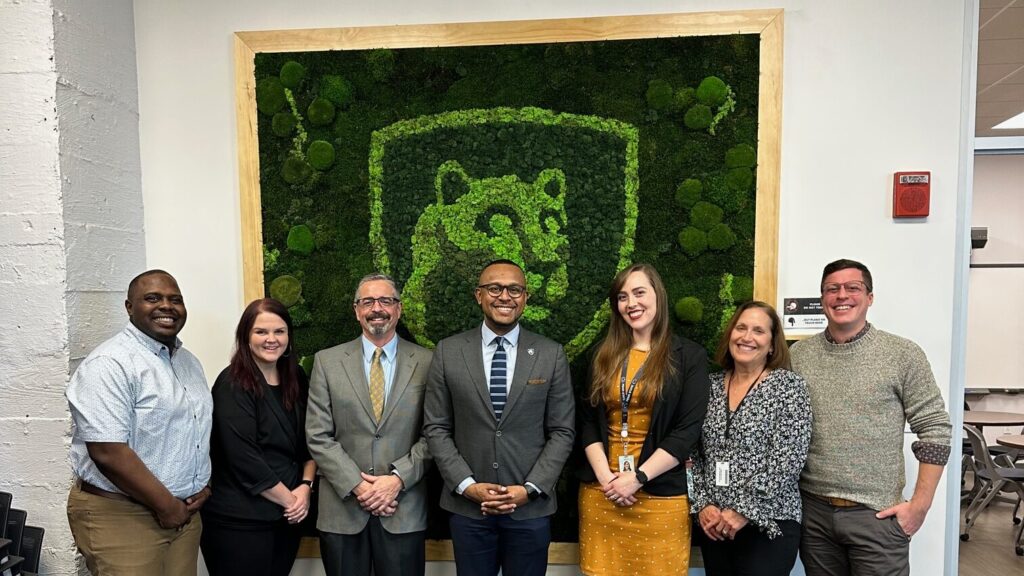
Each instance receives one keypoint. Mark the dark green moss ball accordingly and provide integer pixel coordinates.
(286, 289)
(740, 156)
(337, 90)
(689, 309)
(742, 289)
(659, 94)
(320, 112)
(698, 117)
(705, 215)
(693, 241)
(300, 239)
(739, 179)
(683, 99)
(721, 237)
(688, 193)
(292, 74)
(712, 91)
(320, 154)
(381, 63)
(296, 170)
(283, 124)
(306, 363)
(270, 96)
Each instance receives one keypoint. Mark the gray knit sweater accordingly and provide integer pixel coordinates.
(862, 395)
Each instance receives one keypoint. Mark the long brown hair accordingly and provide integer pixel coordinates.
(246, 373)
(614, 349)
(779, 355)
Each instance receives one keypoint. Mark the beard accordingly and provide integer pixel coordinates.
(378, 329)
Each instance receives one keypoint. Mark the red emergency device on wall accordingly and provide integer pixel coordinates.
(911, 194)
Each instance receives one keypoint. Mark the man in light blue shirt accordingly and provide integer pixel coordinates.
(364, 429)
(141, 417)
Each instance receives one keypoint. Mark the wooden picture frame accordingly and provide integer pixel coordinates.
(767, 24)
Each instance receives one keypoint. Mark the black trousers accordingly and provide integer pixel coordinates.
(751, 553)
(374, 548)
(248, 548)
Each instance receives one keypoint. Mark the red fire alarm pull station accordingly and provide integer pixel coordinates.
(911, 194)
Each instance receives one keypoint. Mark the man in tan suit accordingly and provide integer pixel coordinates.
(364, 426)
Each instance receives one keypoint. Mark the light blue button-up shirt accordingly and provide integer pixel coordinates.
(130, 389)
(387, 362)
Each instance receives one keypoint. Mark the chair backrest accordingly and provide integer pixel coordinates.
(982, 456)
(15, 526)
(31, 547)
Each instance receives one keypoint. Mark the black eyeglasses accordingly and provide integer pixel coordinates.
(495, 290)
(385, 301)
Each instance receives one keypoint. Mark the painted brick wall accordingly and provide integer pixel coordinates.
(71, 231)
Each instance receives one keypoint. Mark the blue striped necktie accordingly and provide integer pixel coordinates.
(498, 377)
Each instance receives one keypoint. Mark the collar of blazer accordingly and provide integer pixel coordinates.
(405, 365)
(524, 367)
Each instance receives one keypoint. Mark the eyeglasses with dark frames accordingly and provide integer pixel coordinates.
(385, 301)
(495, 290)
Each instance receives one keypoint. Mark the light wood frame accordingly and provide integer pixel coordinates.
(768, 24)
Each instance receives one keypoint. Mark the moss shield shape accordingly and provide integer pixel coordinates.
(395, 187)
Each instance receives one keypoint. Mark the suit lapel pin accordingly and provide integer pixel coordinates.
(529, 351)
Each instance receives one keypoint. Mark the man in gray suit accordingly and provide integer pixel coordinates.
(498, 417)
(364, 428)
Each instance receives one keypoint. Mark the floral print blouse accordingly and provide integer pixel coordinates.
(766, 449)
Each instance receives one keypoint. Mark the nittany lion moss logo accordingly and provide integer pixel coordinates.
(453, 191)
(534, 226)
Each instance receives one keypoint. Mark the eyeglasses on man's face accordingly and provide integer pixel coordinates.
(385, 301)
(855, 288)
(495, 290)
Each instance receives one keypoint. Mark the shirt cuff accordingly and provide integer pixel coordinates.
(402, 480)
(929, 453)
(534, 486)
(464, 484)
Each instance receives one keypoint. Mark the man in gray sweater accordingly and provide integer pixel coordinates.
(865, 386)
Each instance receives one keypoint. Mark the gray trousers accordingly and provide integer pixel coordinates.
(838, 541)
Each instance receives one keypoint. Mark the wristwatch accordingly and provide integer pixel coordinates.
(308, 483)
(641, 477)
(532, 493)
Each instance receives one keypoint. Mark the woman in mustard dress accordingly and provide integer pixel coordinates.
(639, 423)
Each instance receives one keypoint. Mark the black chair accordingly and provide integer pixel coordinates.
(31, 549)
(992, 478)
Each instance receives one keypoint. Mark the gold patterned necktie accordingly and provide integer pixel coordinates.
(377, 384)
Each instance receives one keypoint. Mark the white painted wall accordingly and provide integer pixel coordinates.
(870, 88)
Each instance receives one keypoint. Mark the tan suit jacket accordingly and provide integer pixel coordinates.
(345, 440)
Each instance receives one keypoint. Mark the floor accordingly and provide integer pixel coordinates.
(990, 552)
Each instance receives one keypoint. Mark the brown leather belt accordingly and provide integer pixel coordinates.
(95, 490)
(831, 501)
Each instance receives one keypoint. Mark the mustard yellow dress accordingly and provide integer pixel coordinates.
(649, 537)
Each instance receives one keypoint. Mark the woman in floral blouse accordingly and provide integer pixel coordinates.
(755, 440)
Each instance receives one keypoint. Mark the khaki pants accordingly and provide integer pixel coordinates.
(124, 539)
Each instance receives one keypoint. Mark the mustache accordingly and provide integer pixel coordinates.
(378, 316)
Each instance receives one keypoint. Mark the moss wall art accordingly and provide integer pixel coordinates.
(572, 158)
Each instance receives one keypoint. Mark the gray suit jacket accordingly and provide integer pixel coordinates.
(344, 439)
(534, 437)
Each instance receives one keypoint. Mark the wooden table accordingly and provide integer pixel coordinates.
(981, 418)
(1011, 441)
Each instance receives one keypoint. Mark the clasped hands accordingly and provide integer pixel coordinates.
(378, 495)
(620, 487)
(181, 511)
(721, 524)
(495, 499)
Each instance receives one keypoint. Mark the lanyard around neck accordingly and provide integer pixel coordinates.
(626, 396)
(730, 413)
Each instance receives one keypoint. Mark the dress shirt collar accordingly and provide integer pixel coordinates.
(148, 342)
(390, 349)
(511, 338)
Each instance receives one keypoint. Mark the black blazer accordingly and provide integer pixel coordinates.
(253, 446)
(676, 418)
